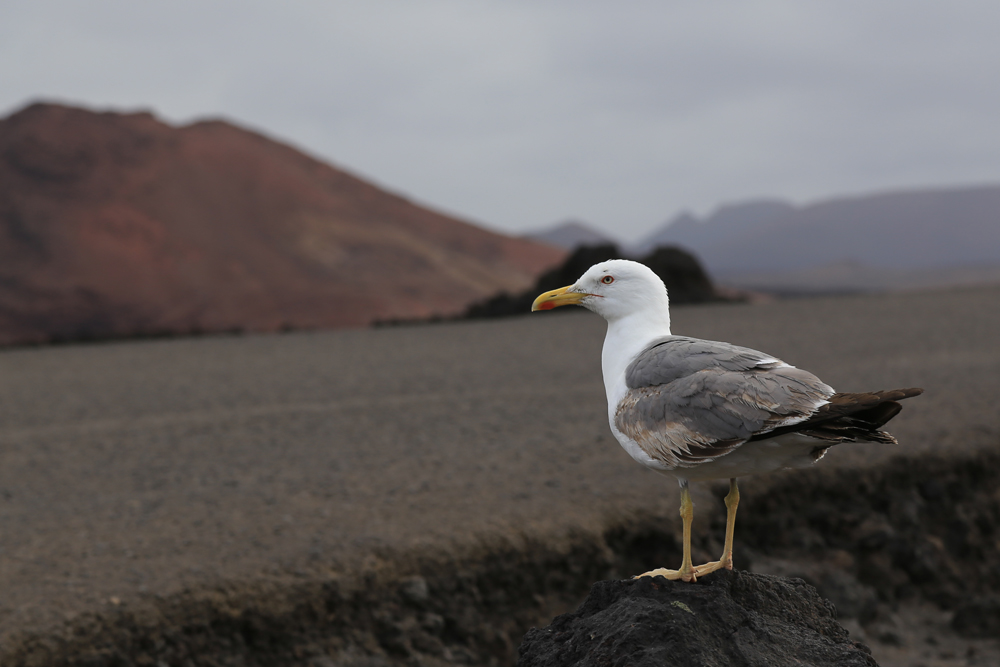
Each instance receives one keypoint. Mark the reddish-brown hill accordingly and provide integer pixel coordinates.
(119, 224)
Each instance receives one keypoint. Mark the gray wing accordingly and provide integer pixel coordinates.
(691, 401)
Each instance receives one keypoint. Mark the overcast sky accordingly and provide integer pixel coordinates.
(517, 114)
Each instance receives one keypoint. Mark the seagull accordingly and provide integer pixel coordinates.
(700, 410)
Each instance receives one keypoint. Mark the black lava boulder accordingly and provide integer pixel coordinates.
(728, 618)
(681, 272)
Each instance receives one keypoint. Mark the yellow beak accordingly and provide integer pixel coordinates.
(556, 298)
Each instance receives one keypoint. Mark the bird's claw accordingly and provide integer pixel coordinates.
(673, 575)
(726, 562)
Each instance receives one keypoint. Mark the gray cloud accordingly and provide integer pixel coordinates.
(518, 113)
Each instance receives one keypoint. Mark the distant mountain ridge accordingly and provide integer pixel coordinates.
(726, 221)
(118, 224)
(903, 231)
(570, 234)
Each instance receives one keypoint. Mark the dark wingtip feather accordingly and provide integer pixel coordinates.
(878, 415)
(900, 394)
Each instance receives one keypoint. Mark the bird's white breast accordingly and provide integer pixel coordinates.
(626, 339)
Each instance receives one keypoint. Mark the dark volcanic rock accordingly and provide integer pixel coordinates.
(686, 280)
(727, 618)
(927, 525)
(683, 275)
(979, 618)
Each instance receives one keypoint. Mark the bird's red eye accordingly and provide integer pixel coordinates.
(607, 280)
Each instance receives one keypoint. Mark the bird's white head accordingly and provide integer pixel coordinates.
(617, 289)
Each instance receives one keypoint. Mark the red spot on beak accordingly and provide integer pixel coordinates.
(548, 305)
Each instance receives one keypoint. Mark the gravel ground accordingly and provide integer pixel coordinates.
(132, 472)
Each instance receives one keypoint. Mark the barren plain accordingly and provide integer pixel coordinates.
(421, 494)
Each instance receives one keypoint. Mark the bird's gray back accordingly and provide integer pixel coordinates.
(674, 357)
(692, 400)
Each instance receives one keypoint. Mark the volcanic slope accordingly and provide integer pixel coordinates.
(119, 224)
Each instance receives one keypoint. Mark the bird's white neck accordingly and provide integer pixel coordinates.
(628, 336)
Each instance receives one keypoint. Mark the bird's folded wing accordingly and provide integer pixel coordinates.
(673, 357)
(691, 401)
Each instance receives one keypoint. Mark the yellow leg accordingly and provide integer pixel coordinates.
(732, 502)
(687, 517)
(687, 571)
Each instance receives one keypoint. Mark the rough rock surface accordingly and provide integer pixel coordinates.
(116, 225)
(978, 618)
(727, 618)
